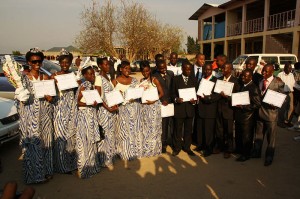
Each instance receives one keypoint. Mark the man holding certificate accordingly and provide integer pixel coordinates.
(184, 110)
(245, 116)
(267, 116)
(224, 130)
(206, 114)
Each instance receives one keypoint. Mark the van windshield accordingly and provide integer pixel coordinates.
(239, 60)
(290, 59)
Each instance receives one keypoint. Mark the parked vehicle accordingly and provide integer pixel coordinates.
(281, 59)
(135, 66)
(9, 120)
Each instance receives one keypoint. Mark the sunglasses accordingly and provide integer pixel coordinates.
(36, 61)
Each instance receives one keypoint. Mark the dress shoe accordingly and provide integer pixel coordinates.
(175, 153)
(164, 150)
(198, 149)
(268, 161)
(227, 155)
(242, 158)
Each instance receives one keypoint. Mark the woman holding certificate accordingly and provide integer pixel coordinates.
(64, 153)
(87, 131)
(36, 124)
(128, 129)
(107, 115)
(151, 114)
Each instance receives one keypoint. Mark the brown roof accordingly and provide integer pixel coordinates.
(201, 10)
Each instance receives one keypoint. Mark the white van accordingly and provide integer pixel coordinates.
(240, 62)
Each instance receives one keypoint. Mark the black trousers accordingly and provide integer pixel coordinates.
(244, 132)
(165, 131)
(224, 134)
(206, 132)
(184, 141)
(265, 129)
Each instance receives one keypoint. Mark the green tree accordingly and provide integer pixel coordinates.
(16, 52)
(192, 45)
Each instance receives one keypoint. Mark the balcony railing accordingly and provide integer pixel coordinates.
(234, 29)
(282, 20)
(254, 25)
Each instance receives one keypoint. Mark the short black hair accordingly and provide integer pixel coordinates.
(101, 60)
(124, 64)
(159, 62)
(297, 65)
(247, 70)
(29, 54)
(158, 56)
(144, 64)
(186, 63)
(84, 71)
(62, 57)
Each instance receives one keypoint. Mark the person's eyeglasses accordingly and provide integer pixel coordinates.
(36, 61)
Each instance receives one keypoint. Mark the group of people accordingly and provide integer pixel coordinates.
(63, 134)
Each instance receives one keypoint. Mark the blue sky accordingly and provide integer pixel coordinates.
(50, 23)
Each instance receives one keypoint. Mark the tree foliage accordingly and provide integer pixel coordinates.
(128, 25)
(192, 45)
(16, 52)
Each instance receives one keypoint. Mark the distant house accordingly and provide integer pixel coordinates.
(53, 52)
(249, 26)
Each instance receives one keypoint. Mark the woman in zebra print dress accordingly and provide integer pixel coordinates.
(87, 131)
(107, 116)
(36, 116)
(151, 115)
(128, 130)
(64, 153)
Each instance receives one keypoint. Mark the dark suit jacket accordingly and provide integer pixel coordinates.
(256, 78)
(166, 84)
(185, 109)
(266, 112)
(207, 106)
(245, 113)
(224, 104)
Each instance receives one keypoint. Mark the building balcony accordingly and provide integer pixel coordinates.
(282, 20)
(234, 29)
(254, 25)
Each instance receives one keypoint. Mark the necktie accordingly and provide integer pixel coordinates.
(164, 76)
(264, 87)
(185, 80)
(198, 73)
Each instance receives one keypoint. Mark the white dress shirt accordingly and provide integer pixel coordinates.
(289, 81)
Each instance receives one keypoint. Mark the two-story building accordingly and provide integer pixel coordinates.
(248, 26)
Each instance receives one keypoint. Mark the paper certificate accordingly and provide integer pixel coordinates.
(241, 98)
(113, 98)
(274, 98)
(187, 94)
(45, 87)
(134, 93)
(167, 111)
(205, 87)
(66, 81)
(150, 95)
(224, 86)
(176, 70)
(91, 96)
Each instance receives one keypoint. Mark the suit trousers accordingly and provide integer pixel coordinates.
(268, 129)
(244, 132)
(184, 140)
(224, 134)
(165, 131)
(206, 132)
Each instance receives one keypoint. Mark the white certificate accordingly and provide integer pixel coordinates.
(45, 87)
(241, 98)
(176, 70)
(274, 98)
(66, 81)
(91, 96)
(205, 87)
(187, 94)
(134, 93)
(224, 86)
(113, 98)
(167, 111)
(150, 95)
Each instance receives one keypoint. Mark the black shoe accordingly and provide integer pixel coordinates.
(242, 158)
(198, 149)
(175, 153)
(268, 161)
(190, 153)
(206, 153)
(164, 150)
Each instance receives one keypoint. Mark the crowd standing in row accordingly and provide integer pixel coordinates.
(61, 134)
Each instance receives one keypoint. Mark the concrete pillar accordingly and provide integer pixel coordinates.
(226, 22)
(297, 13)
(212, 51)
(243, 45)
(244, 17)
(295, 47)
(266, 14)
(200, 29)
(201, 47)
(213, 28)
(226, 47)
(264, 43)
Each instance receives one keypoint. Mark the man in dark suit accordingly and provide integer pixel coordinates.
(184, 112)
(165, 78)
(224, 130)
(206, 118)
(246, 116)
(267, 116)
